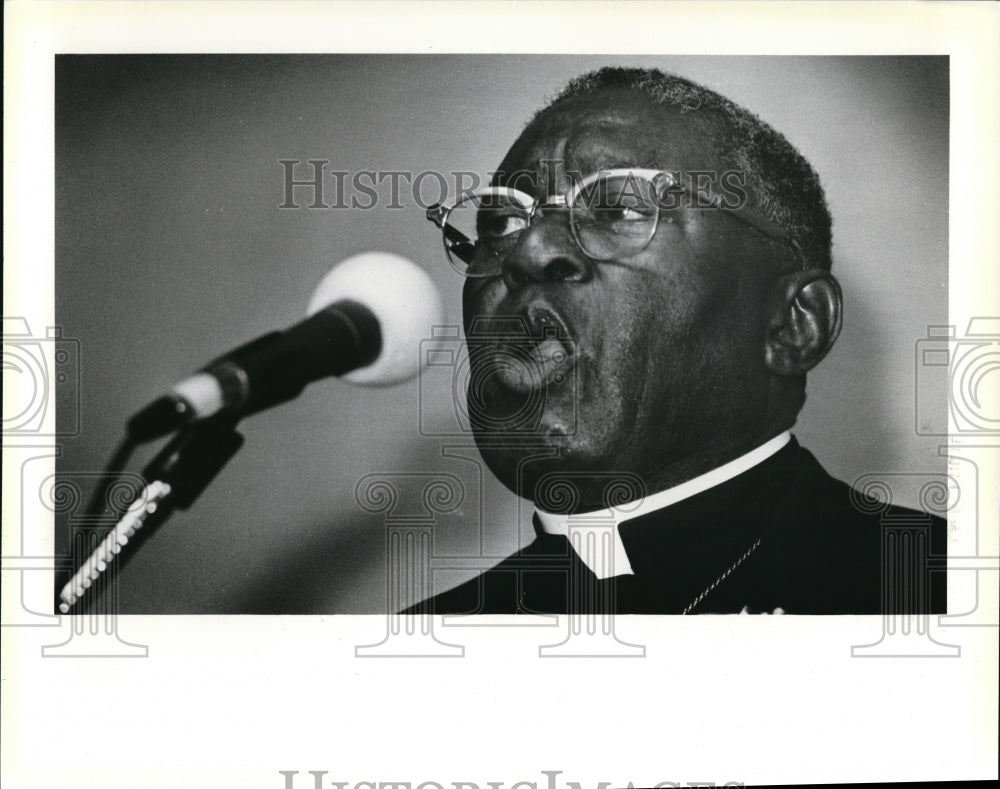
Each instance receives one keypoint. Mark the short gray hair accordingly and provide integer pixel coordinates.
(781, 183)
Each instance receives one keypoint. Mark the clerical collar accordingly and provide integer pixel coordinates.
(594, 535)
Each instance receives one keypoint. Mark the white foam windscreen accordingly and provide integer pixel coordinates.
(403, 298)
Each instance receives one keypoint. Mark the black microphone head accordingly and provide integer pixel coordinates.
(402, 297)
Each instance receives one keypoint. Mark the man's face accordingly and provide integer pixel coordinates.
(664, 358)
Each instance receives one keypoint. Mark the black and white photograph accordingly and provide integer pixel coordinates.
(493, 366)
(598, 400)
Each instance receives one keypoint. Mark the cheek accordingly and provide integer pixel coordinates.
(664, 344)
(480, 297)
(631, 352)
(645, 322)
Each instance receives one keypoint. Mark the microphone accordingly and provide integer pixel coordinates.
(366, 319)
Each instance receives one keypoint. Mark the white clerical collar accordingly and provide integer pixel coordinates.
(594, 535)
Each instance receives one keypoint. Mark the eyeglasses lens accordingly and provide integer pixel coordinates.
(614, 216)
(492, 222)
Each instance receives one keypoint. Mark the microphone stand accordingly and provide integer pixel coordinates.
(179, 474)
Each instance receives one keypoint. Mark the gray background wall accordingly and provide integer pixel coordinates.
(170, 248)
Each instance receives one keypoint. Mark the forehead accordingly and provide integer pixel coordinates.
(612, 129)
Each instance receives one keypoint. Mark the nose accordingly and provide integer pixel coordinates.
(545, 252)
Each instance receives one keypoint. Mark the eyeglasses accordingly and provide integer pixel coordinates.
(612, 214)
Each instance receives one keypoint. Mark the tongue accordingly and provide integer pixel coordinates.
(544, 364)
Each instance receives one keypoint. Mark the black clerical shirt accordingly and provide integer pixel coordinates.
(782, 536)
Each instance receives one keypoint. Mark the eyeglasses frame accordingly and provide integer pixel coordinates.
(454, 239)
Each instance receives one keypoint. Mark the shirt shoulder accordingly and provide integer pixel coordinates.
(500, 589)
(832, 549)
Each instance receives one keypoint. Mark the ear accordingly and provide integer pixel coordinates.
(804, 321)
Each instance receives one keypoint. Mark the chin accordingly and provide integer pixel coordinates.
(521, 461)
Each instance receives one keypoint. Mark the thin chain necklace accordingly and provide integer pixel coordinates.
(699, 598)
(720, 579)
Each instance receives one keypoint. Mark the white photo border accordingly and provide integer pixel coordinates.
(234, 701)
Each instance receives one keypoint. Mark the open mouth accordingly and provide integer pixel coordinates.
(524, 353)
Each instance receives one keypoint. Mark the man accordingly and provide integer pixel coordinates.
(649, 279)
